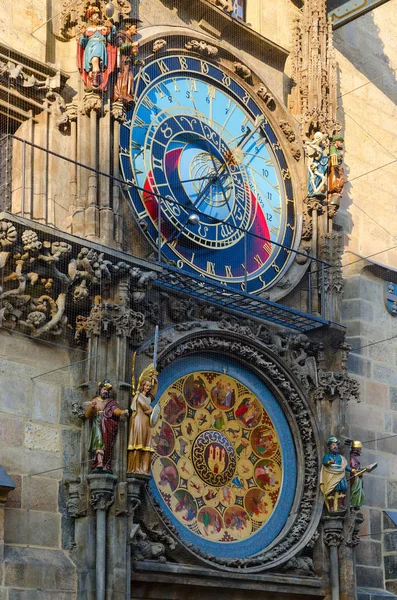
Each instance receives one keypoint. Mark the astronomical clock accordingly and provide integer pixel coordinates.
(210, 178)
(211, 181)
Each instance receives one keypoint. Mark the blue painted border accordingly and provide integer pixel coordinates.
(262, 538)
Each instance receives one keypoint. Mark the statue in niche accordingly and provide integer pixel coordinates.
(127, 50)
(317, 164)
(336, 175)
(332, 477)
(104, 414)
(140, 448)
(356, 481)
(96, 50)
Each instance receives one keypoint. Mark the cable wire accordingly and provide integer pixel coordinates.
(367, 83)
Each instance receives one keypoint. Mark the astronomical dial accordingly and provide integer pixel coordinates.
(208, 175)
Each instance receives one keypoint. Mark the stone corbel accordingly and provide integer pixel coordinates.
(333, 529)
(76, 503)
(118, 111)
(352, 537)
(91, 102)
(201, 47)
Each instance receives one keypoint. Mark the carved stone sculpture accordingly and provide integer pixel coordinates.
(223, 4)
(140, 449)
(267, 97)
(96, 50)
(143, 548)
(317, 164)
(201, 47)
(332, 478)
(43, 279)
(300, 565)
(336, 176)
(158, 45)
(127, 49)
(242, 70)
(104, 414)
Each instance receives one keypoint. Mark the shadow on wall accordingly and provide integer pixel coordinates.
(361, 43)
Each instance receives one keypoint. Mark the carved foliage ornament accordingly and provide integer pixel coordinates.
(301, 529)
(336, 385)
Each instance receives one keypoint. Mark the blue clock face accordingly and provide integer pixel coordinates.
(197, 143)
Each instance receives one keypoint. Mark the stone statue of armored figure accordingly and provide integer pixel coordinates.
(104, 414)
(127, 50)
(336, 175)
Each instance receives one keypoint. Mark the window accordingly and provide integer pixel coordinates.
(239, 9)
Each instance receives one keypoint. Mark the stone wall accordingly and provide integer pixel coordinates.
(23, 27)
(38, 434)
(374, 365)
(366, 51)
(272, 19)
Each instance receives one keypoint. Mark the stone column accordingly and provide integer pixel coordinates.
(6, 486)
(118, 115)
(348, 558)
(135, 484)
(92, 105)
(101, 498)
(333, 537)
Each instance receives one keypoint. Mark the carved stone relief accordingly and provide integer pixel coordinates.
(44, 280)
(267, 97)
(201, 47)
(70, 15)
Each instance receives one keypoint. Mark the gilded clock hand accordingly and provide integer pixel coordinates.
(258, 123)
(197, 179)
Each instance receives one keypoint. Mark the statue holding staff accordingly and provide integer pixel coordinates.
(140, 448)
(356, 481)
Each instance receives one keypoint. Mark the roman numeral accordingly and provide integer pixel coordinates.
(210, 268)
(138, 122)
(159, 91)
(147, 103)
(228, 271)
(162, 66)
(267, 247)
(211, 91)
